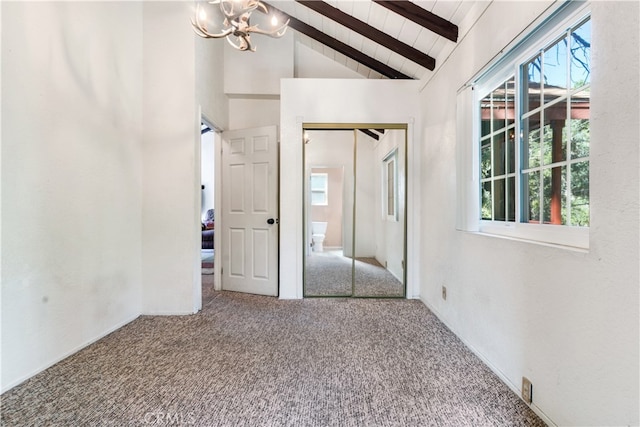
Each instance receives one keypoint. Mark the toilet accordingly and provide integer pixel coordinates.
(318, 230)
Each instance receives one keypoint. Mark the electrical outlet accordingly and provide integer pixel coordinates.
(444, 292)
(527, 390)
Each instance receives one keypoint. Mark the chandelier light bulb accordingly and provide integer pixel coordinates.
(236, 27)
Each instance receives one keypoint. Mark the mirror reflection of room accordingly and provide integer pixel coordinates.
(379, 218)
(329, 208)
(354, 213)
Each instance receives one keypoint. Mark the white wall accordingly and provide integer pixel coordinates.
(252, 81)
(365, 203)
(567, 320)
(171, 232)
(259, 72)
(336, 101)
(209, 63)
(71, 178)
(101, 172)
(250, 112)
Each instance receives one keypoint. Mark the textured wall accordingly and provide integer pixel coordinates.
(567, 320)
(171, 233)
(71, 178)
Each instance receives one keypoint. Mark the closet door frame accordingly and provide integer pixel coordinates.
(355, 127)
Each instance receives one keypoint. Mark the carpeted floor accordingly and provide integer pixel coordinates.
(329, 273)
(208, 291)
(257, 361)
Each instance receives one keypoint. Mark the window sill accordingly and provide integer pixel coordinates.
(557, 236)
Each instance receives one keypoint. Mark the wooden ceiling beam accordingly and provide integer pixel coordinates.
(370, 32)
(370, 133)
(422, 17)
(338, 46)
(346, 50)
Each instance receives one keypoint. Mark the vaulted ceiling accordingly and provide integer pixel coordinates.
(396, 39)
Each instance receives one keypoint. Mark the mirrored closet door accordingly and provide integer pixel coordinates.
(355, 198)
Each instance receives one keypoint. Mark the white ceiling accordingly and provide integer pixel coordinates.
(459, 12)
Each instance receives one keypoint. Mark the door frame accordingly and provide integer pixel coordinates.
(217, 238)
(311, 126)
(217, 164)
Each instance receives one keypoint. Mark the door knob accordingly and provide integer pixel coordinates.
(272, 221)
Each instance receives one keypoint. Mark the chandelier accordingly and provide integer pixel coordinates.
(237, 29)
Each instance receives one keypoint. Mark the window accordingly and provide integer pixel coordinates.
(497, 153)
(390, 191)
(319, 189)
(533, 135)
(555, 131)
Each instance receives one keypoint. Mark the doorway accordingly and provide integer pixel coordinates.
(209, 139)
(355, 210)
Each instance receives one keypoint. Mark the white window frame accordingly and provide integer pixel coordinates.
(577, 237)
(390, 160)
(324, 190)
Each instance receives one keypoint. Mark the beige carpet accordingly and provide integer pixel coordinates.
(258, 361)
(330, 274)
(208, 292)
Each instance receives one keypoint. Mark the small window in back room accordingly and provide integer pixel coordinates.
(319, 189)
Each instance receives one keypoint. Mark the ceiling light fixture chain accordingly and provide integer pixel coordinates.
(236, 23)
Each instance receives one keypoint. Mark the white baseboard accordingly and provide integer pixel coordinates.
(490, 365)
(169, 313)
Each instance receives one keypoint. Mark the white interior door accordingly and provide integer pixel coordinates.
(250, 211)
